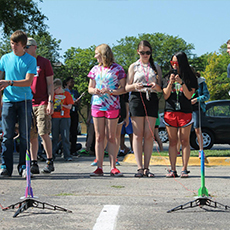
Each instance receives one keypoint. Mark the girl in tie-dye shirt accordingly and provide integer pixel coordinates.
(107, 82)
(106, 78)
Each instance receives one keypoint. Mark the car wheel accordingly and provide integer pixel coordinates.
(208, 140)
(163, 135)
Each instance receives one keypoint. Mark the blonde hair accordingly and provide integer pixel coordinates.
(106, 55)
(57, 83)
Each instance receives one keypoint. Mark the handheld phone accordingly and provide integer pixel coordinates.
(147, 86)
(174, 71)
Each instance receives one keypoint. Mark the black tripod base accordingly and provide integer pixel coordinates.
(200, 201)
(30, 202)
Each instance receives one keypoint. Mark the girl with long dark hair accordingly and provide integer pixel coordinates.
(144, 80)
(178, 87)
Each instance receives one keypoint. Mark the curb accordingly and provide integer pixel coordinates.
(193, 161)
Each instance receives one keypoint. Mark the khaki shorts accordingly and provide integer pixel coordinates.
(41, 122)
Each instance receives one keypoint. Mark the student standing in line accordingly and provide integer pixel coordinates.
(178, 87)
(63, 102)
(107, 82)
(74, 116)
(144, 80)
(43, 91)
(19, 68)
(198, 100)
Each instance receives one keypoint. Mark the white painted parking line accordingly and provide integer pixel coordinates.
(107, 218)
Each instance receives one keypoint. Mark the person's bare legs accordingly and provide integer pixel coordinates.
(111, 126)
(158, 140)
(99, 127)
(178, 142)
(148, 139)
(118, 137)
(184, 138)
(138, 133)
(173, 139)
(131, 140)
(34, 149)
(47, 144)
(199, 137)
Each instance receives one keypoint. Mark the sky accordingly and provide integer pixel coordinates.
(83, 23)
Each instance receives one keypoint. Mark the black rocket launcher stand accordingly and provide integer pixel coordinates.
(28, 199)
(203, 197)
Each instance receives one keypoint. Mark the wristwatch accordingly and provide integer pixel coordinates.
(12, 83)
(111, 91)
(182, 83)
(51, 101)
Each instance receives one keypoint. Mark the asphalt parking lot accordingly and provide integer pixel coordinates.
(116, 203)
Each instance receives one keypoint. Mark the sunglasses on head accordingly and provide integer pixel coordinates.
(174, 63)
(147, 52)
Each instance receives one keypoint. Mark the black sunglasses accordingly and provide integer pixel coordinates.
(147, 52)
(28, 46)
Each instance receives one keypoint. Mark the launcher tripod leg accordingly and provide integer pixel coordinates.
(29, 202)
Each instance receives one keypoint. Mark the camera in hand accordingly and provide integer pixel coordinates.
(146, 85)
(174, 71)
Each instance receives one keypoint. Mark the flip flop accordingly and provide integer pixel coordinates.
(184, 174)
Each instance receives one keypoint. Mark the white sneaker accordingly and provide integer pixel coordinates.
(24, 174)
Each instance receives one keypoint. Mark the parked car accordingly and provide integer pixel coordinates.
(162, 130)
(215, 125)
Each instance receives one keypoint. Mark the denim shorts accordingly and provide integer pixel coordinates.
(195, 117)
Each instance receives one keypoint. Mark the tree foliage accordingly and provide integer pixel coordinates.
(216, 76)
(48, 47)
(21, 14)
(163, 45)
(78, 63)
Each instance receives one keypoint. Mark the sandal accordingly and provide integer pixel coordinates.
(147, 173)
(184, 174)
(140, 173)
(171, 173)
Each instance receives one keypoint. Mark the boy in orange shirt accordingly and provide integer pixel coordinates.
(63, 102)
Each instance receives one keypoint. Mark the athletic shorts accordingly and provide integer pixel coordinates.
(139, 106)
(113, 114)
(128, 129)
(41, 122)
(177, 119)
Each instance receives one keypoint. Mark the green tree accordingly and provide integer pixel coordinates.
(23, 14)
(163, 45)
(48, 47)
(199, 63)
(78, 63)
(216, 76)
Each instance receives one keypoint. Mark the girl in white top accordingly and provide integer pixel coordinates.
(144, 80)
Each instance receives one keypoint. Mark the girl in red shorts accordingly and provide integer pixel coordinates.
(178, 87)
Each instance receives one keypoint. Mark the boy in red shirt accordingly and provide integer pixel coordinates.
(63, 102)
